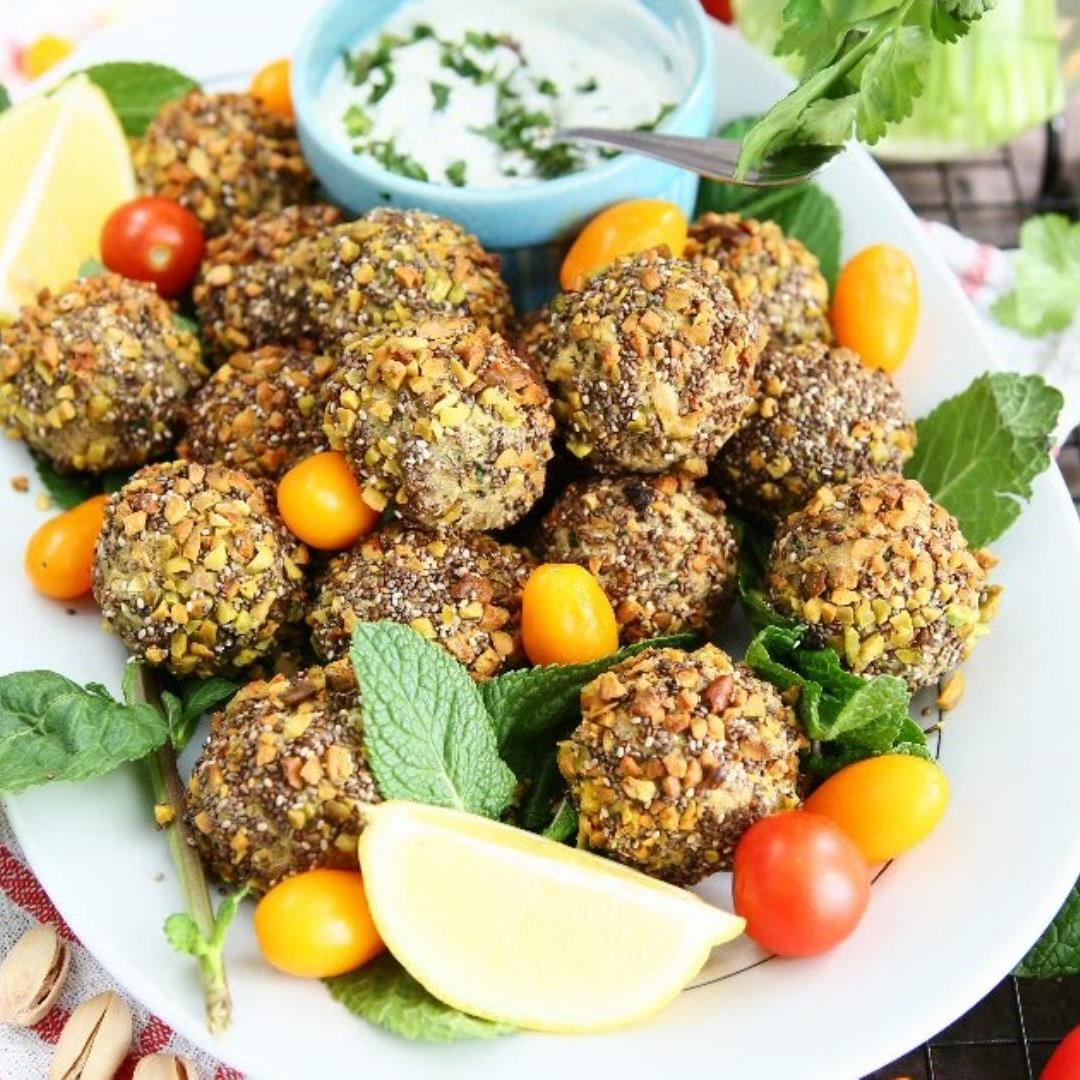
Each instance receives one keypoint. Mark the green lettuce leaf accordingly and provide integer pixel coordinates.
(1056, 955)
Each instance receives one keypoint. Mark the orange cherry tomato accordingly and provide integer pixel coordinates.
(271, 87)
(322, 503)
(886, 804)
(622, 229)
(60, 555)
(566, 617)
(317, 924)
(875, 308)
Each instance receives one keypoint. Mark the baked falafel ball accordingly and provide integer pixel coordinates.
(94, 376)
(443, 421)
(660, 547)
(461, 591)
(822, 417)
(245, 296)
(882, 573)
(282, 781)
(194, 571)
(651, 365)
(676, 756)
(259, 412)
(774, 275)
(222, 156)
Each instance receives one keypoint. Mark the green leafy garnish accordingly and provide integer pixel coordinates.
(1056, 955)
(426, 732)
(978, 452)
(357, 122)
(136, 91)
(68, 490)
(547, 88)
(193, 700)
(440, 94)
(455, 173)
(5, 98)
(589, 86)
(390, 158)
(665, 111)
(385, 994)
(91, 268)
(564, 825)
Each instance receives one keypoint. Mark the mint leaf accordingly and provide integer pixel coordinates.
(53, 729)
(979, 451)
(564, 826)
(1057, 953)
(136, 91)
(1047, 291)
(91, 268)
(385, 994)
(5, 98)
(426, 732)
(65, 489)
(196, 698)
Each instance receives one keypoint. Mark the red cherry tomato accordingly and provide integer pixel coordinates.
(800, 883)
(154, 239)
(1065, 1061)
(719, 9)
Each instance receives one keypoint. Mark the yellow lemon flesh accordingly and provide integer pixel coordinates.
(66, 168)
(509, 926)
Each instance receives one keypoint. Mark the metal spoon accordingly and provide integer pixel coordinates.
(714, 158)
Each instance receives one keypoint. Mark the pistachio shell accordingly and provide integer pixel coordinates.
(32, 975)
(95, 1040)
(165, 1067)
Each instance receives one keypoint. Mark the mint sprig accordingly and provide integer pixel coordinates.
(136, 91)
(1056, 955)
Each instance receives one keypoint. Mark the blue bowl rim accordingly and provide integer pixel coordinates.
(308, 116)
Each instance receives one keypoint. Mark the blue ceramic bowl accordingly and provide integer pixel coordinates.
(528, 225)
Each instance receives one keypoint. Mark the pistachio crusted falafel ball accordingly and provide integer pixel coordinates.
(444, 421)
(823, 417)
(461, 591)
(259, 411)
(282, 780)
(193, 570)
(774, 275)
(651, 365)
(245, 295)
(659, 545)
(94, 376)
(882, 573)
(223, 156)
(676, 756)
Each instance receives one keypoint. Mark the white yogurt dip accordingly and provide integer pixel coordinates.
(457, 92)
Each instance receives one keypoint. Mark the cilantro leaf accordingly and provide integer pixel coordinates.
(385, 994)
(1057, 953)
(136, 91)
(426, 732)
(891, 81)
(978, 452)
(1047, 291)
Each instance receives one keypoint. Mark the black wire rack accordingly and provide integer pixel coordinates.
(1012, 1032)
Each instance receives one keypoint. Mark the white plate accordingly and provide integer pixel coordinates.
(946, 922)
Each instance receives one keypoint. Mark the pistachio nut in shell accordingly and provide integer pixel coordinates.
(32, 975)
(165, 1067)
(95, 1040)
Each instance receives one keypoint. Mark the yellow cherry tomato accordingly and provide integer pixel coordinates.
(44, 53)
(271, 87)
(622, 229)
(875, 308)
(566, 617)
(317, 924)
(885, 804)
(322, 503)
(60, 555)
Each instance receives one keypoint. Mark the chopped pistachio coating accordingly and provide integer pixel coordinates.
(660, 547)
(773, 275)
(882, 573)
(193, 569)
(676, 756)
(821, 417)
(94, 377)
(461, 591)
(223, 156)
(651, 365)
(245, 295)
(259, 411)
(282, 781)
(444, 422)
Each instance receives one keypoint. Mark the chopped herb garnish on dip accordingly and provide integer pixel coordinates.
(357, 122)
(440, 94)
(665, 111)
(455, 173)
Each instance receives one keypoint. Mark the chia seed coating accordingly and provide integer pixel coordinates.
(461, 591)
(245, 296)
(822, 417)
(773, 275)
(443, 421)
(194, 571)
(650, 363)
(676, 756)
(882, 573)
(258, 412)
(223, 156)
(94, 377)
(282, 781)
(660, 547)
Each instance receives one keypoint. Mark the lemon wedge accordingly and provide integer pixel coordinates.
(509, 926)
(66, 167)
